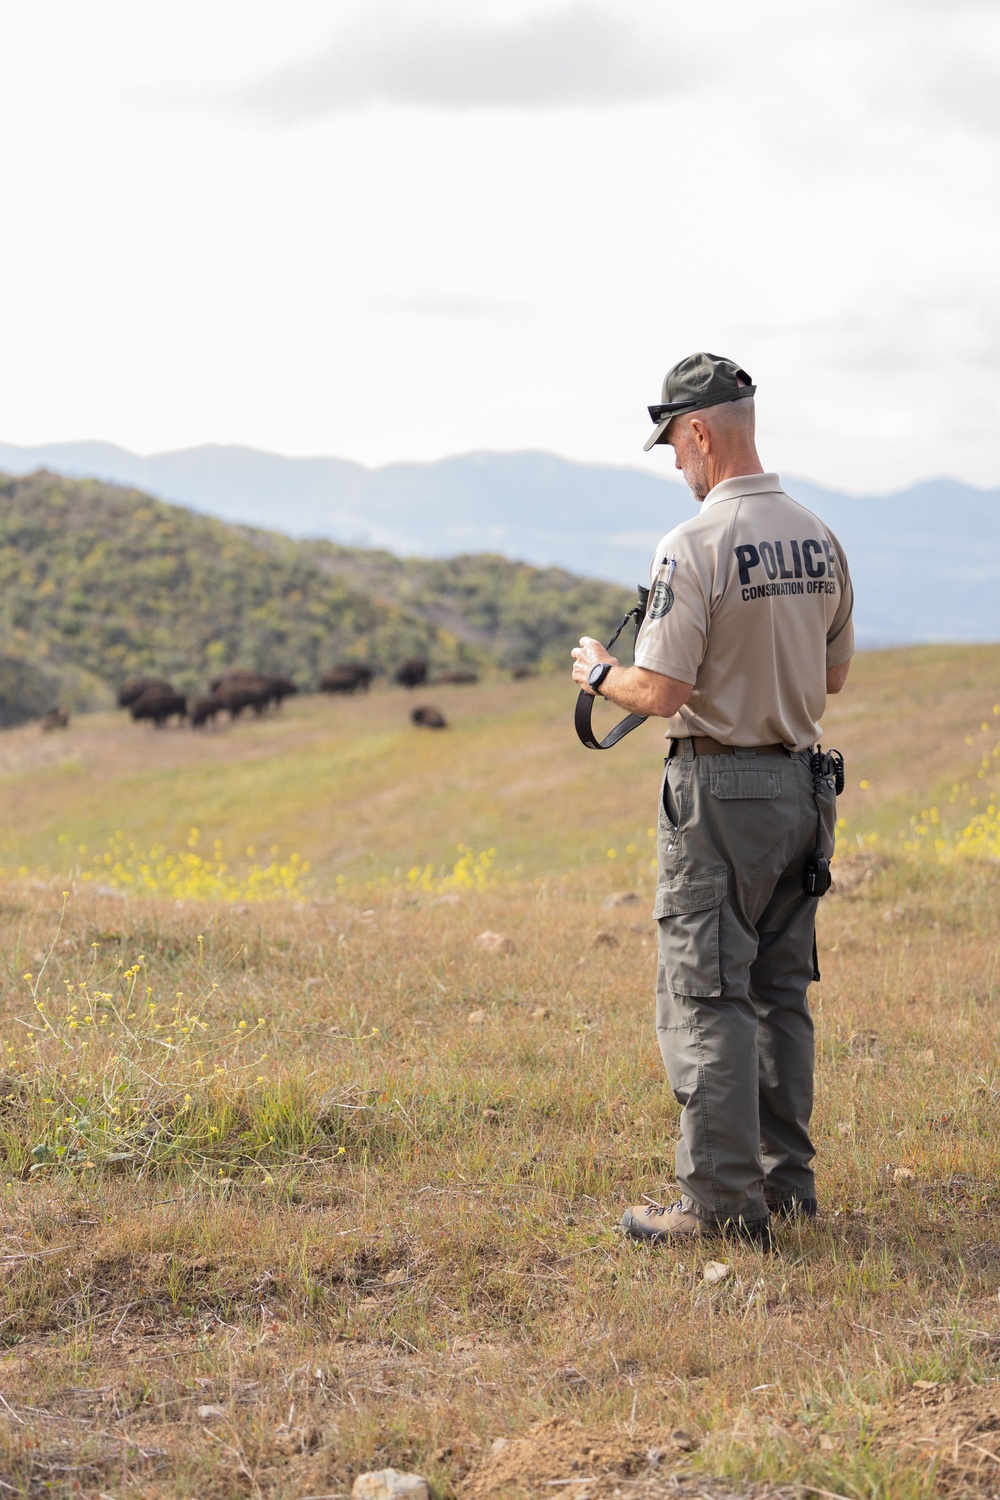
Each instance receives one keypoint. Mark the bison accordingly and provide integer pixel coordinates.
(200, 710)
(56, 718)
(281, 688)
(136, 686)
(428, 717)
(456, 675)
(346, 677)
(412, 672)
(274, 689)
(520, 672)
(235, 695)
(159, 706)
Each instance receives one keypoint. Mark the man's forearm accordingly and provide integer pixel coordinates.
(640, 691)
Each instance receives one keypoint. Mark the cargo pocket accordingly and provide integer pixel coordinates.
(736, 779)
(689, 917)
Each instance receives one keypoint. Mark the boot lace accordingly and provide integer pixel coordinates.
(653, 1207)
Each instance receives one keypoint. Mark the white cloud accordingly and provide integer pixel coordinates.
(581, 54)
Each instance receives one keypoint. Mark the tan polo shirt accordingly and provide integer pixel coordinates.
(750, 601)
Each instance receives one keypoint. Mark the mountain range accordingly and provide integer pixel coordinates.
(925, 560)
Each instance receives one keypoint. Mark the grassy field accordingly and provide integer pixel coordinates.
(299, 1187)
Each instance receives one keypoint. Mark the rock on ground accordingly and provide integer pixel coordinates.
(495, 942)
(390, 1484)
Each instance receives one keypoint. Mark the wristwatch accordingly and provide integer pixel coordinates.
(597, 674)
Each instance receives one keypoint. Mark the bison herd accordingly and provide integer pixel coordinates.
(158, 701)
(155, 700)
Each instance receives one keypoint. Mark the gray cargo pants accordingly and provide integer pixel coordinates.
(736, 935)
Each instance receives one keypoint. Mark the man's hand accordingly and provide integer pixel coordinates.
(635, 689)
(587, 655)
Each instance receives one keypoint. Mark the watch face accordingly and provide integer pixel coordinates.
(597, 674)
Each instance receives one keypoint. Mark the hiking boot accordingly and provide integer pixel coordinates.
(794, 1208)
(656, 1223)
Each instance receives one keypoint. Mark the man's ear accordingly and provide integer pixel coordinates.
(702, 437)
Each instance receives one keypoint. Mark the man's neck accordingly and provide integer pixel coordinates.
(733, 466)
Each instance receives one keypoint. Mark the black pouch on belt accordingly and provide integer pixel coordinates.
(828, 766)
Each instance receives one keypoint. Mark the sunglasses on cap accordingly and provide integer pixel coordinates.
(669, 408)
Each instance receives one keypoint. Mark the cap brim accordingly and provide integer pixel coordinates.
(659, 431)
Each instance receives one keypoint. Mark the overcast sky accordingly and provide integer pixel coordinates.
(402, 230)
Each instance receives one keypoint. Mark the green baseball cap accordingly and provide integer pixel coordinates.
(696, 382)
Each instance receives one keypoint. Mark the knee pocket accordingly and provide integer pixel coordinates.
(689, 916)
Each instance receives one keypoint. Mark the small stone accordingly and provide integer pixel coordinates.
(903, 1174)
(605, 939)
(825, 1442)
(210, 1413)
(476, 1018)
(621, 898)
(541, 1013)
(390, 1484)
(681, 1440)
(499, 1444)
(714, 1272)
(927, 1058)
(495, 942)
(396, 1276)
(844, 1128)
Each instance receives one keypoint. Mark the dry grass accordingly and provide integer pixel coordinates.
(384, 1235)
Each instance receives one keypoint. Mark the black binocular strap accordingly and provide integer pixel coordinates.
(584, 710)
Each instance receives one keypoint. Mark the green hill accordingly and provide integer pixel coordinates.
(98, 583)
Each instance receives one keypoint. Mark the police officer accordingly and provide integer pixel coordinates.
(748, 628)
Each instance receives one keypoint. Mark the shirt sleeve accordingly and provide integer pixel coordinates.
(840, 636)
(674, 634)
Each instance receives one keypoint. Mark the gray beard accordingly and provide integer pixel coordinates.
(696, 482)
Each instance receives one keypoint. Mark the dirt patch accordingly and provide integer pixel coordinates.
(959, 1426)
(563, 1457)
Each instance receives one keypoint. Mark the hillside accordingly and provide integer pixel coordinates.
(99, 582)
(925, 560)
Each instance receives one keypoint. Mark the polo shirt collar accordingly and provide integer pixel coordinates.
(743, 484)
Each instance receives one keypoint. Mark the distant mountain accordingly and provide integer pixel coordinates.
(926, 561)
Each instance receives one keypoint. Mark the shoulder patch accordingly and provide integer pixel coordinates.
(661, 601)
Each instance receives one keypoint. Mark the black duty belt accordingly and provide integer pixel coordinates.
(585, 701)
(703, 744)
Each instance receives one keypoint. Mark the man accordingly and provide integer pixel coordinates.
(748, 628)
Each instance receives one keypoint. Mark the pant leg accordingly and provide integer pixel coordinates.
(779, 979)
(709, 1050)
(728, 832)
